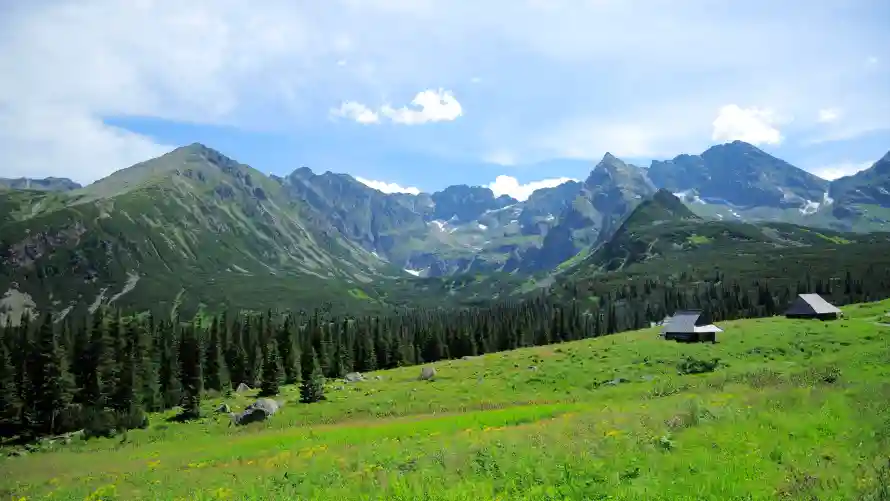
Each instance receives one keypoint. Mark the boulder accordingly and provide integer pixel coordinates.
(354, 377)
(260, 410)
(427, 373)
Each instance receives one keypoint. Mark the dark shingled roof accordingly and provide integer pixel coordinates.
(683, 321)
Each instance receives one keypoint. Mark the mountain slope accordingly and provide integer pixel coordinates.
(663, 227)
(613, 189)
(741, 175)
(871, 187)
(190, 229)
(46, 184)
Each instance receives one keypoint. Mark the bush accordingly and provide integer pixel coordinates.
(697, 366)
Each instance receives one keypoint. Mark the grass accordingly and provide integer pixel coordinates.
(778, 409)
(699, 239)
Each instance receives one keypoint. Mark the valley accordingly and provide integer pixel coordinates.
(793, 409)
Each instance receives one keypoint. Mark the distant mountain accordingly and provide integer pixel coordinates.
(195, 229)
(462, 203)
(191, 229)
(45, 184)
(740, 175)
(613, 189)
(663, 229)
(868, 187)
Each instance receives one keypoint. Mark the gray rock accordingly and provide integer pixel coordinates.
(378, 378)
(532, 367)
(427, 373)
(260, 410)
(354, 377)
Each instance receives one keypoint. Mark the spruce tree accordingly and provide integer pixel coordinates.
(312, 386)
(148, 365)
(168, 372)
(272, 372)
(9, 401)
(288, 353)
(49, 384)
(190, 377)
(214, 376)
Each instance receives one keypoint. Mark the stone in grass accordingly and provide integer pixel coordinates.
(260, 410)
(427, 373)
(353, 377)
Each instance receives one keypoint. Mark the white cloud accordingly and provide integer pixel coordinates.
(829, 115)
(508, 185)
(388, 187)
(834, 171)
(752, 125)
(357, 112)
(429, 106)
(545, 93)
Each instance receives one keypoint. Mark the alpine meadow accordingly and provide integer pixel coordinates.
(608, 251)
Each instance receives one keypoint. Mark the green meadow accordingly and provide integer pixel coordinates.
(777, 409)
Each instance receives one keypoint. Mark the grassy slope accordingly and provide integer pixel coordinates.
(797, 411)
(222, 233)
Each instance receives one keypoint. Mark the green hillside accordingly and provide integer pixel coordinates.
(778, 409)
(190, 230)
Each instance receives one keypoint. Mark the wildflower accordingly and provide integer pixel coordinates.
(613, 433)
(153, 464)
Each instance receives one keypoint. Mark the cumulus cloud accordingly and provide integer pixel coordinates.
(357, 112)
(752, 125)
(428, 106)
(388, 187)
(829, 115)
(834, 171)
(508, 185)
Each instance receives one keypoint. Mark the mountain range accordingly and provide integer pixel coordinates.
(194, 230)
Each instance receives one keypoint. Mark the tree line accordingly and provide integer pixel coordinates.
(103, 372)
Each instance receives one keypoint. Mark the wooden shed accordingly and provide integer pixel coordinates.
(812, 306)
(687, 326)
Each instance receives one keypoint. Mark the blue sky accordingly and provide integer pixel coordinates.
(426, 93)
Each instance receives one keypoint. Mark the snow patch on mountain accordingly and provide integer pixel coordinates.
(810, 207)
(416, 273)
(482, 226)
(689, 196)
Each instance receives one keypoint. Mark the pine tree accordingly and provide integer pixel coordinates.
(49, 384)
(288, 353)
(148, 365)
(312, 386)
(168, 372)
(272, 372)
(80, 361)
(214, 375)
(125, 394)
(236, 357)
(9, 401)
(190, 377)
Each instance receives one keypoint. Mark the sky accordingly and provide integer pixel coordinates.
(415, 95)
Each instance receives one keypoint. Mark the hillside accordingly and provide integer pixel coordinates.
(663, 230)
(777, 409)
(188, 230)
(46, 184)
(613, 189)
